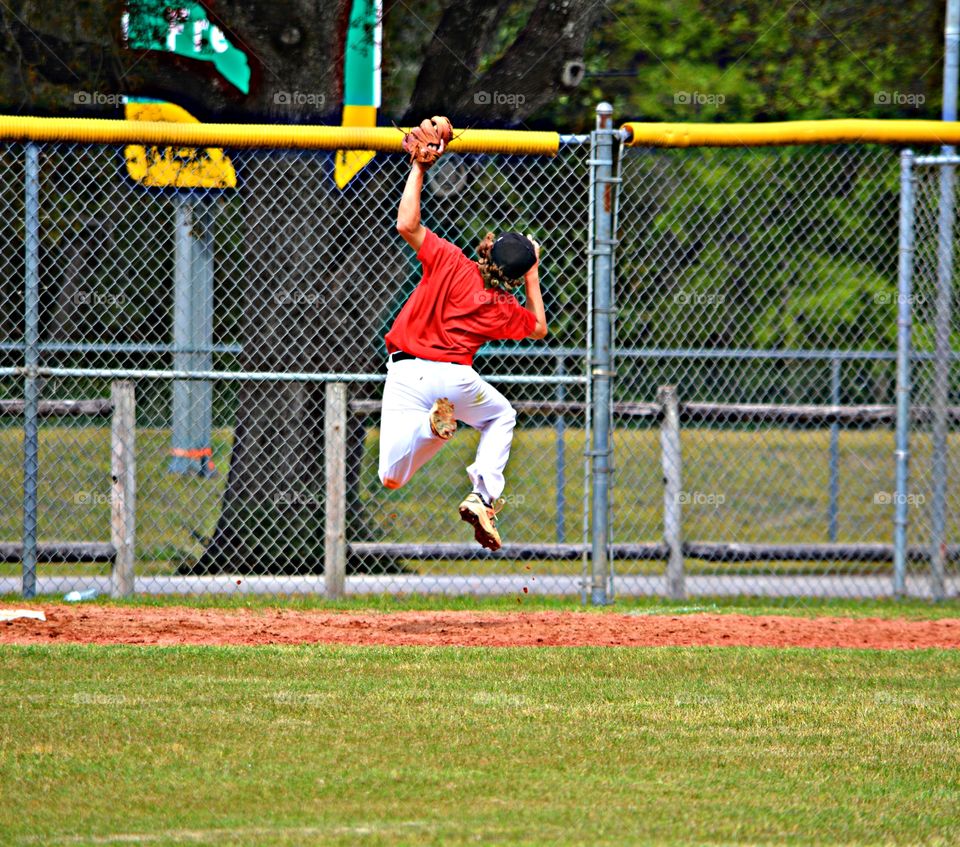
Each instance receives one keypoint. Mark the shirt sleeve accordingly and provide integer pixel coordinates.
(518, 322)
(430, 250)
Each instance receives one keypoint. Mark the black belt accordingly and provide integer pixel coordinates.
(400, 356)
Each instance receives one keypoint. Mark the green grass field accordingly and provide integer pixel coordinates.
(318, 745)
(773, 486)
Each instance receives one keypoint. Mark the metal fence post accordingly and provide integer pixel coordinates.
(31, 360)
(335, 517)
(941, 383)
(670, 459)
(601, 361)
(123, 474)
(192, 403)
(942, 320)
(560, 426)
(904, 319)
(832, 510)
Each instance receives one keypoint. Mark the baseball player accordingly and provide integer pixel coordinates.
(458, 305)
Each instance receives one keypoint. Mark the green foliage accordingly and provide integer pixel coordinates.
(746, 61)
(792, 248)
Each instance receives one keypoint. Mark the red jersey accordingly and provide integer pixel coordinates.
(450, 314)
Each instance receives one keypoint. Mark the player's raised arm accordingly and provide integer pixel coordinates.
(408, 213)
(425, 144)
(531, 280)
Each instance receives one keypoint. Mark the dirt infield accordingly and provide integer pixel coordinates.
(185, 625)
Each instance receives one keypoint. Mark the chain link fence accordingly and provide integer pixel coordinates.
(761, 284)
(229, 311)
(927, 498)
(766, 284)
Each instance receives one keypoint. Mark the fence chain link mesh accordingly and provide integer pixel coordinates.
(926, 312)
(758, 282)
(769, 277)
(280, 285)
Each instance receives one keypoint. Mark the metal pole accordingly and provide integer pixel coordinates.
(560, 426)
(834, 451)
(601, 359)
(190, 450)
(123, 497)
(904, 318)
(31, 360)
(671, 462)
(335, 463)
(585, 515)
(942, 321)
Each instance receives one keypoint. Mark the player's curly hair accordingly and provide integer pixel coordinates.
(493, 275)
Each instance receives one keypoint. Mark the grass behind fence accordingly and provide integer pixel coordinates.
(768, 485)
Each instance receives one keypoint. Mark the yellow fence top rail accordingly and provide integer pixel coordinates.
(383, 139)
(842, 131)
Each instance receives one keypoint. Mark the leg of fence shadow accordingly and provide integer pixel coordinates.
(123, 491)
(335, 447)
(672, 491)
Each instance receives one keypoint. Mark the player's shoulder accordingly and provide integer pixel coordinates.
(446, 245)
(445, 249)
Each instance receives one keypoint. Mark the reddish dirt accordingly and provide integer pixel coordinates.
(184, 625)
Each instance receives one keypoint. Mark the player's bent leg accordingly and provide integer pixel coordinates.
(493, 452)
(407, 439)
(407, 443)
(488, 411)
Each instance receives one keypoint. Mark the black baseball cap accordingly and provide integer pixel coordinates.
(513, 254)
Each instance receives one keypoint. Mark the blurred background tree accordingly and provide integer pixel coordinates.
(769, 61)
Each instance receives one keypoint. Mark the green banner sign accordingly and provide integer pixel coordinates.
(361, 61)
(186, 31)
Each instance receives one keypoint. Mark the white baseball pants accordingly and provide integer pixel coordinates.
(406, 440)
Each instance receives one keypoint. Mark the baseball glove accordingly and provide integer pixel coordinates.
(426, 143)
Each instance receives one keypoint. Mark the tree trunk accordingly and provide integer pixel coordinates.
(545, 59)
(321, 276)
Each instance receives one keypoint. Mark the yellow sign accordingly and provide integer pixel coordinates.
(175, 167)
(348, 163)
